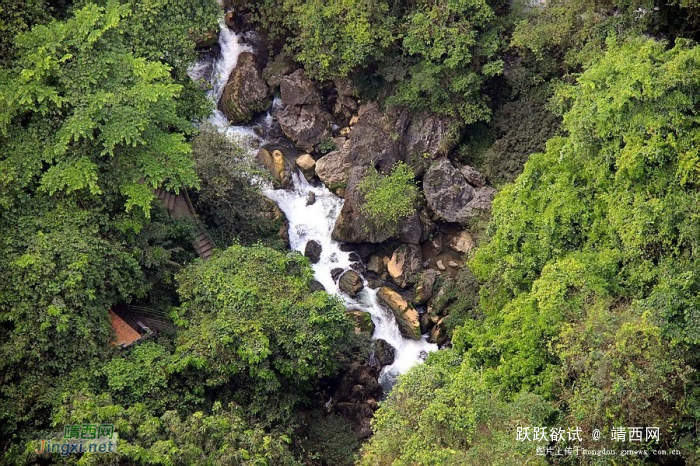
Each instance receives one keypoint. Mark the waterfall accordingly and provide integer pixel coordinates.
(311, 222)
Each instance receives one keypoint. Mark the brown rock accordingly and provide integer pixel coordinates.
(307, 165)
(425, 323)
(376, 264)
(406, 316)
(424, 289)
(230, 19)
(336, 272)
(350, 283)
(438, 334)
(463, 242)
(404, 264)
(276, 164)
(206, 40)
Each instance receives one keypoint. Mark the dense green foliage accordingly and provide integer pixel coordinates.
(446, 413)
(591, 293)
(448, 52)
(249, 316)
(580, 307)
(433, 55)
(388, 198)
(15, 18)
(96, 112)
(95, 117)
(332, 38)
(228, 202)
(220, 437)
(254, 339)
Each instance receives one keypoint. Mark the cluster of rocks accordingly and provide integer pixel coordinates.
(363, 136)
(337, 139)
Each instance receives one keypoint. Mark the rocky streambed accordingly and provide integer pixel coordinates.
(318, 140)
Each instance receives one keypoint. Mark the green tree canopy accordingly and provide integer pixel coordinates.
(333, 38)
(251, 320)
(80, 114)
(218, 436)
(448, 51)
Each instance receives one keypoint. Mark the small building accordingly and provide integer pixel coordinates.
(127, 329)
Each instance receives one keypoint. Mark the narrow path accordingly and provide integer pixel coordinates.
(180, 206)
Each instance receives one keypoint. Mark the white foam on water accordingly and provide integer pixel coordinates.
(312, 222)
(231, 48)
(316, 222)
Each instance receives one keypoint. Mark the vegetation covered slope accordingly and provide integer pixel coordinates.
(591, 293)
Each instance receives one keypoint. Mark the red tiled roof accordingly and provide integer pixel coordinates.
(125, 333)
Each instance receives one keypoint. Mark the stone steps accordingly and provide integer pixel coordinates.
(202, 243)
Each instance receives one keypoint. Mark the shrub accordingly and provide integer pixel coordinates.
(232, 207)
(388, 198)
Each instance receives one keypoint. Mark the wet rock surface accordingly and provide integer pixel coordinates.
(313, 251)
(246, 92)
(406, 316)
(383, 353)
(350, 283)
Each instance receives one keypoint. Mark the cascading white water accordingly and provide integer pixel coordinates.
(312, 222)
(316, 222)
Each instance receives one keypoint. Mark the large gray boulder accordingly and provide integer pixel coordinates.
(373, 141)
(334, 168)
(302, 117)
(450, 196)
(424, 137)
(245, 93)
(382, 139)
